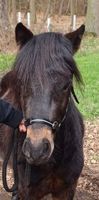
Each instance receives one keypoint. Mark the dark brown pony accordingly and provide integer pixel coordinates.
(41, 85)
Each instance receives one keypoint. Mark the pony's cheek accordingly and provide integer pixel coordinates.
(60, 107)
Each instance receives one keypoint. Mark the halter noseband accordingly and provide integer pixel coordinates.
(54, 125)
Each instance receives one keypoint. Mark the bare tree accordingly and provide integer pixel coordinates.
(85, 6)
(73, 10)
(47, 13)
(47, 10)
(68, 6)
(9, 7)
(32, 13)
(61, 7)
(92, 17)
(4, 24)
(14, 14)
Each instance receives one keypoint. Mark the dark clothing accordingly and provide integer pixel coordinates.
(9, 115)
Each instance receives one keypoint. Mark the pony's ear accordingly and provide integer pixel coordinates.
(22, 34)
(75, 37)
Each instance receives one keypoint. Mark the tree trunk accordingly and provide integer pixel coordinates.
(61, 7)
(92, 17)
(14, 14)
(47, 14)
(32, 13)
(4, 25)
(9, 7)
(73, 10)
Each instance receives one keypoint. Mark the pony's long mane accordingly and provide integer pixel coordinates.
(43, 55)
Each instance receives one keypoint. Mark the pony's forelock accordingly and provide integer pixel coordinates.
(43, 54)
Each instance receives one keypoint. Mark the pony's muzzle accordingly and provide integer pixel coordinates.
(36, 153)
(38, 145)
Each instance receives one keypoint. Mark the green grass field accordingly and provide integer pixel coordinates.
(89, 100)
(6, 62)
(88, 62)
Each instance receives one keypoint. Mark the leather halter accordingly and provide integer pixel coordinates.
(31, 121)
(54, 125)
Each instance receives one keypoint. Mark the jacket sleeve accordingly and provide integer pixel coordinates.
(9, 115)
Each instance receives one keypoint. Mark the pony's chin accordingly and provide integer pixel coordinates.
(37, 162)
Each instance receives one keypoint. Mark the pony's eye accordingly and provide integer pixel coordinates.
(66, 87)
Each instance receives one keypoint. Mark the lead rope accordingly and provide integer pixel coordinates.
(28, 174)
(13, 147)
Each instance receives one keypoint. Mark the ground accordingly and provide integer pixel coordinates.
(88, 186)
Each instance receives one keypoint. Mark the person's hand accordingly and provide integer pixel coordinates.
(22, 127)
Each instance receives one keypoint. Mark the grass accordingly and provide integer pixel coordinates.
(88, 61)
(6, 62)
(89, 100)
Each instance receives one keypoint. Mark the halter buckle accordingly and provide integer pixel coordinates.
(55, 125)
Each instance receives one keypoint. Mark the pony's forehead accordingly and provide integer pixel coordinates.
(49, 34)
(50, 40)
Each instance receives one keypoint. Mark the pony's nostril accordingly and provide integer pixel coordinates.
(26, 149)
(27, 154)
(46, 146)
